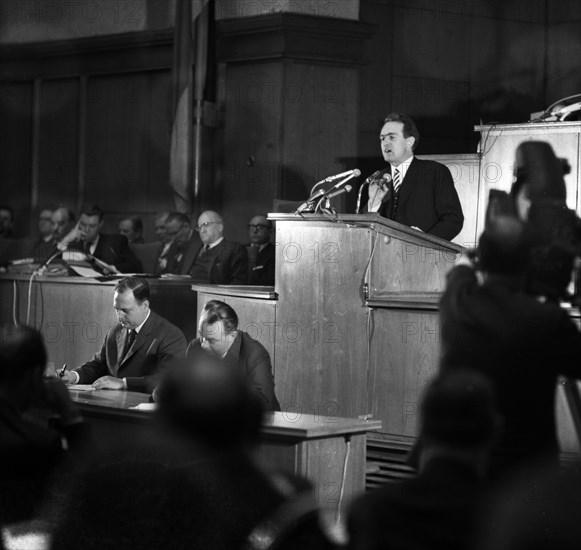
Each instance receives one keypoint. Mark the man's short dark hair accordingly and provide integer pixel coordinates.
(409, 126)
(93, 210)
(8, 209)
(21, 349)
(136, 222)
(504, 247)
(178, 217)
(215, 311)
(138, 285)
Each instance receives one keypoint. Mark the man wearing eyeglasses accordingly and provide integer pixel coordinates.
(209, 259)
(260, 252)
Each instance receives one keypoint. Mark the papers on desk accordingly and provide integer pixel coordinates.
(145, 407)
(81, 387)
(85, 271)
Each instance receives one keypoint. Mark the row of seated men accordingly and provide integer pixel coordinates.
(184, 248)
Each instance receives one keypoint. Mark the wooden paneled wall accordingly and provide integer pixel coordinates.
(87, 122)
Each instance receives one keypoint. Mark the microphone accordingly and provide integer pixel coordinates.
(346, 189)
(374, 178)
(308, 204)
(351, 173)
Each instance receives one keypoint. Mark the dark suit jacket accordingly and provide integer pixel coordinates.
(247, 356)
(263, 271)
(114, 250)
(522, 345)
(229, 265)
(435, 511)
(189, 252)
(427, 199)
(156, 345)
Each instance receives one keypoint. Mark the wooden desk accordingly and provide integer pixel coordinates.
(329, 452)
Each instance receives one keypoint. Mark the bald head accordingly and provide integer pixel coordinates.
(63, 221)
(210, 226)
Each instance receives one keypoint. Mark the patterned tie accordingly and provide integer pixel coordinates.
(396, 180)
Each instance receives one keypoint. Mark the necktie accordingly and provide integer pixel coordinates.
(128, 342)
(396, 180)
(205, 249)
(87, 246)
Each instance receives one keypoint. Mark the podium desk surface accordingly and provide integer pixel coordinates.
(119, 405)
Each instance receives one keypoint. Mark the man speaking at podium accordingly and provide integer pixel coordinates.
(137, 349)
(417, 193)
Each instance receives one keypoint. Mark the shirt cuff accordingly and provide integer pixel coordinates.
(78, 377)
(124, 383)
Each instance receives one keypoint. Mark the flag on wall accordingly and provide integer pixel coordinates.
(181, 145)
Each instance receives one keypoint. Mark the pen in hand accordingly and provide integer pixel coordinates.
(62, 371)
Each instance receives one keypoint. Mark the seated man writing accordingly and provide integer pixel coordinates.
(220, 337)
(137, 349)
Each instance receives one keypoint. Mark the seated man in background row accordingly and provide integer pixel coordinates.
(260, 252)
(209, 259)
(112, 250)
(45, 226)
(137, 349)
(6, 221)
(165, 241)
(220, 337)
(63, 221)
(132, 228)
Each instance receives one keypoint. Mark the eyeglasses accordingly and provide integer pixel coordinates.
(257, 226)
(204, 225)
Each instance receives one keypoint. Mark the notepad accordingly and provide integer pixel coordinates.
(81, 387)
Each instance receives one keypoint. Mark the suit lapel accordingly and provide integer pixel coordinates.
(190, 254)
(140, 338)
(409, 181)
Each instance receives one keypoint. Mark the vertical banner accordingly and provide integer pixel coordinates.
(182, 136)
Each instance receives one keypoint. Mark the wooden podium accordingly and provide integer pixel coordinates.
(357, 316)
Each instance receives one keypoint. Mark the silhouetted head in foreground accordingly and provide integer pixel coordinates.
(205, 400)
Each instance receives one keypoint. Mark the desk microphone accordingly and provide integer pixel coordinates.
(374, 178)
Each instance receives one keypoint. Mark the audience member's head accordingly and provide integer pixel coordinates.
(218, 327)
(178, 228)
(63, 221)
(90, 223)
(504, 247)
(45, 223)
(132, 228)
(538, 175)
(131, 301)
(22, 363)
(160, 227)
(210, 226)
(459, 416)
(208, 401)
(259, 230)
(6, 220)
